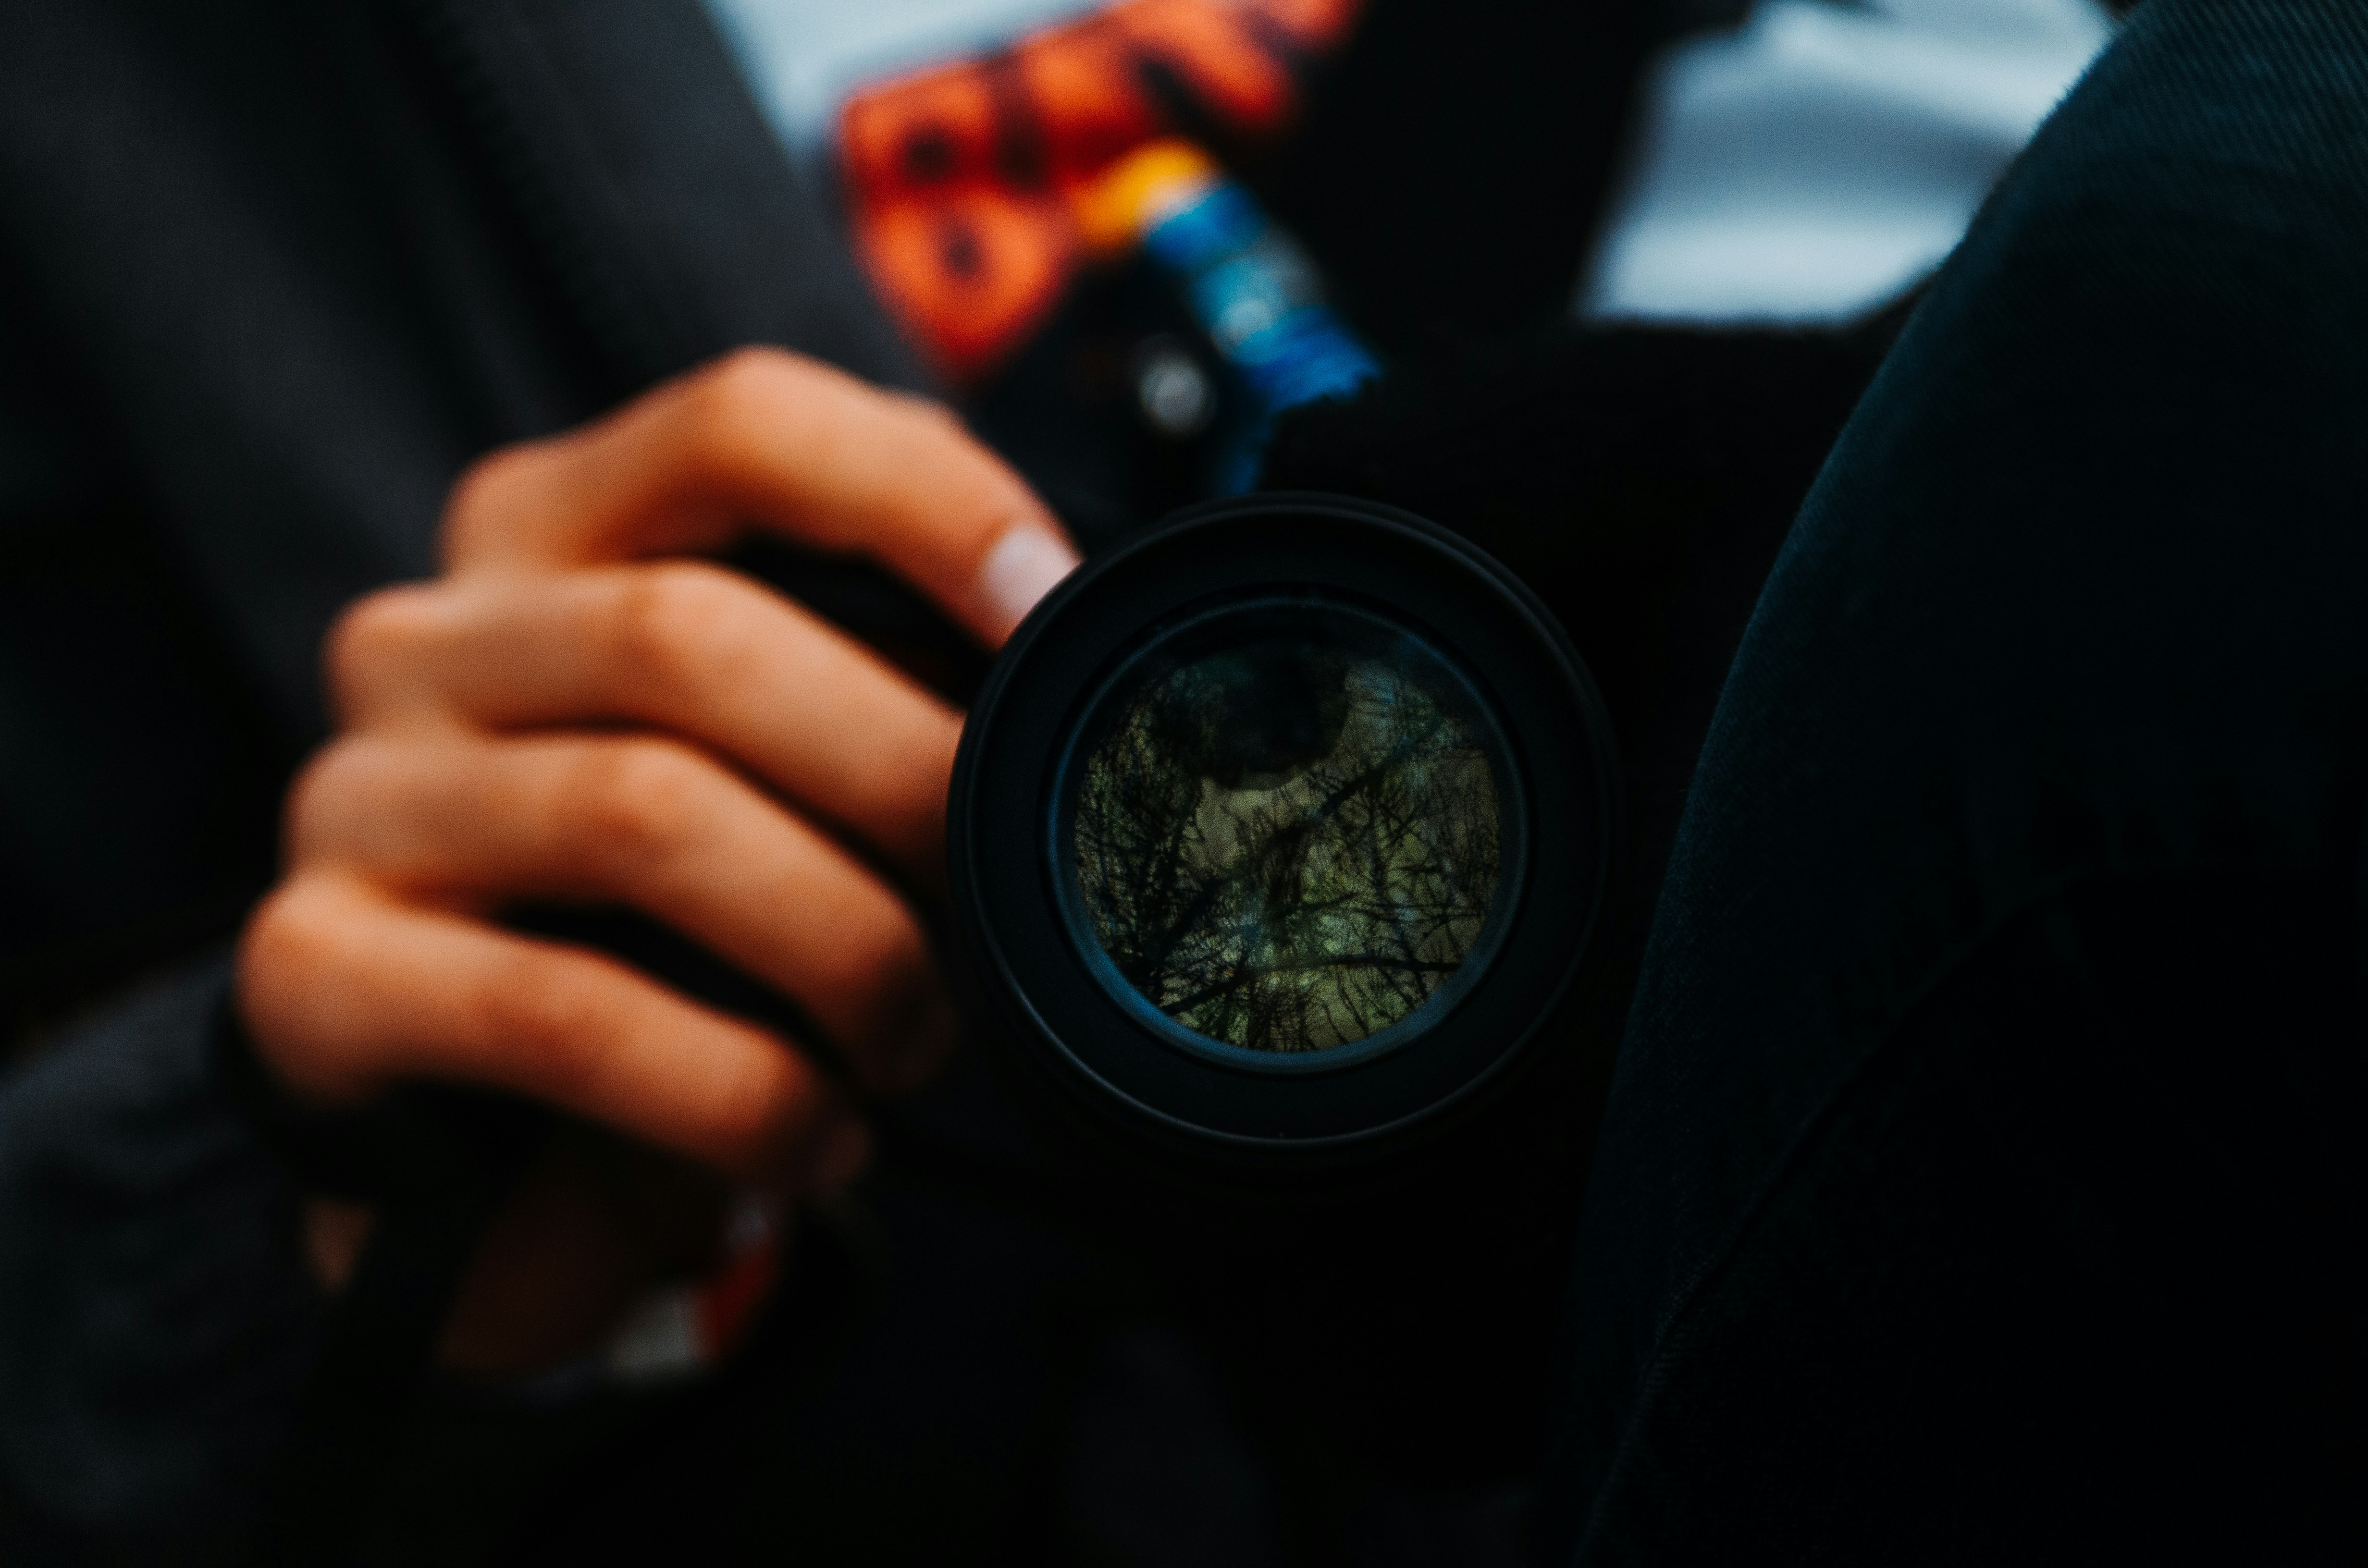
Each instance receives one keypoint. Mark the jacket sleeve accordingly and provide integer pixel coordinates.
(155, 1315)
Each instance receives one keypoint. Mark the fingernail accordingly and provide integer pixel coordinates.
(837, 1154)
(1022, 569)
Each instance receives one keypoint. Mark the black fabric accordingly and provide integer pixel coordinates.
(147, 1243)
(1982, 1179)
(106, 666)
(1455, 160)
(1640, 481)
(631, 149)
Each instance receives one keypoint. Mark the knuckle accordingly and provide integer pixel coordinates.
(322, 794)
(295, 952)
(735, 416)
(753, 370)
(478, 498)
(371, 642)
(933, 416)
(668, 614)
(725, 404)
(539, 1005)
(288, 934)
(635, 800)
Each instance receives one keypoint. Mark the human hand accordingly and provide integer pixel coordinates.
(574, 710)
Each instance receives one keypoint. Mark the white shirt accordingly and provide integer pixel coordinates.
(1811, 165)
(804, 57)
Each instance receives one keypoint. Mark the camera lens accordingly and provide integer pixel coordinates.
(1282, 828)
(1276, 834)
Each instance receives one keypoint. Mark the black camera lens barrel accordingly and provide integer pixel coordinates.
(1276, 834)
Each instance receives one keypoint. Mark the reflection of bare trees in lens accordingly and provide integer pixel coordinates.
(1287, 849)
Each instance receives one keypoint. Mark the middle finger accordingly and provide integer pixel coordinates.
(683, 646)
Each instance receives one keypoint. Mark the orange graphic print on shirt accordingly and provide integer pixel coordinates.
(961, 179)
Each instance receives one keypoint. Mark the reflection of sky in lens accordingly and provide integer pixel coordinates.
(1288, 848)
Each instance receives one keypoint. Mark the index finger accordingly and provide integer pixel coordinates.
(768, 437)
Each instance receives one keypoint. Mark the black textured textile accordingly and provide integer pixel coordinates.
(1455, 159)
(1982, 1179)
(147, 1243)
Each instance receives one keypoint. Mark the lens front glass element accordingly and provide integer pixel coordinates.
(1286, 825)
